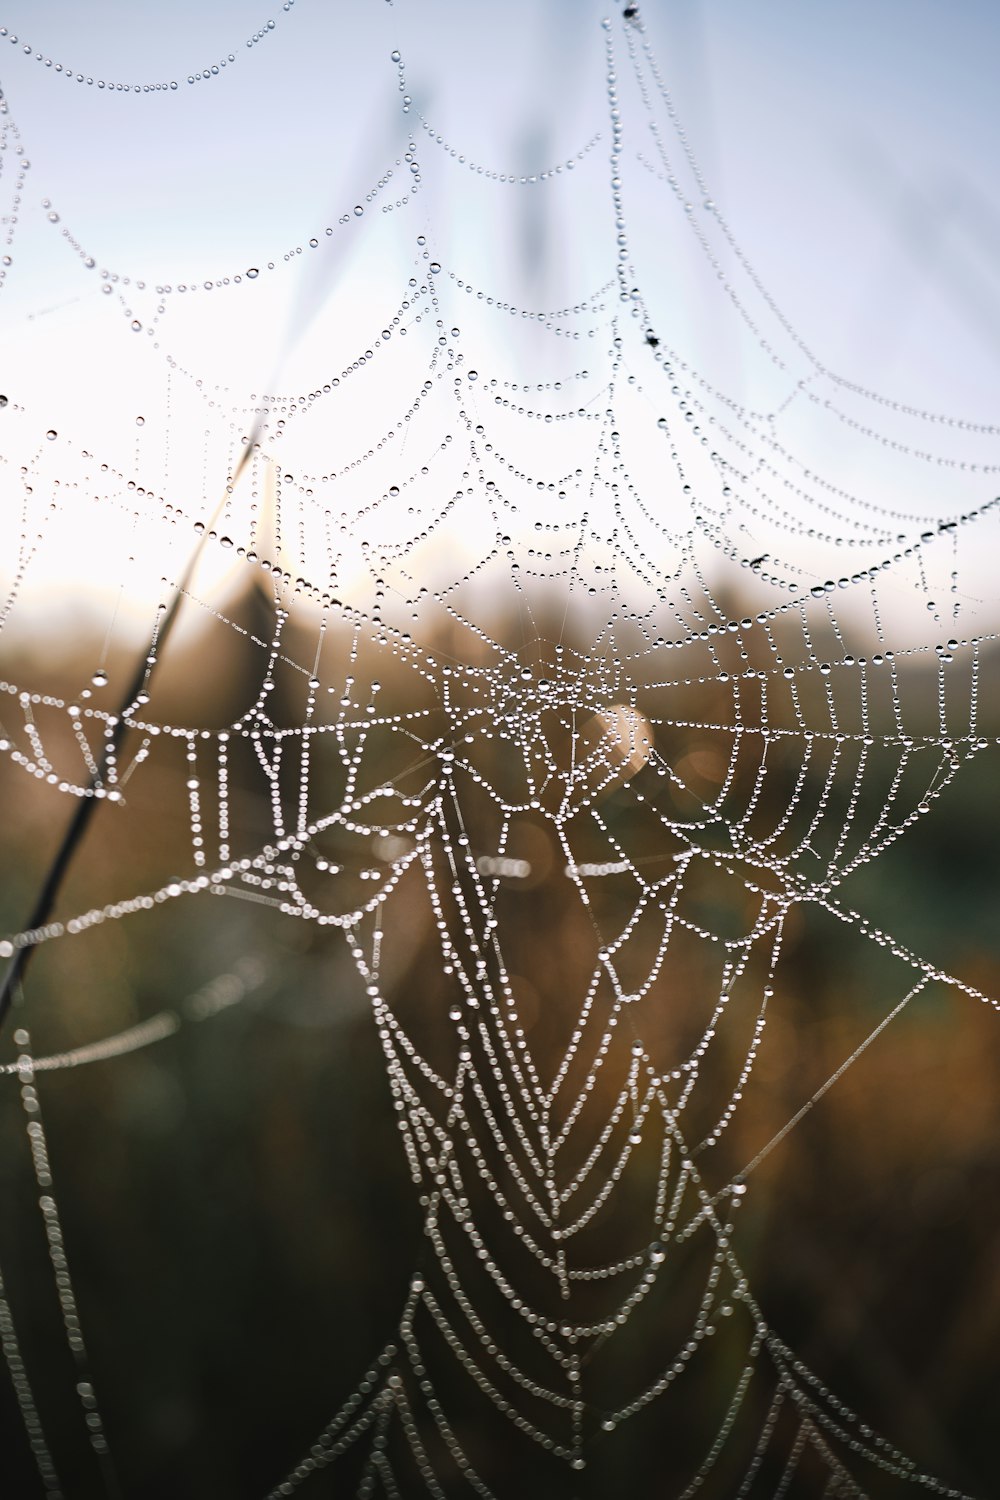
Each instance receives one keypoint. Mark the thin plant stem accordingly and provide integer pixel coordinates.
(79, 823)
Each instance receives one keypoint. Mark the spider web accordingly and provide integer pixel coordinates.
(568, 697)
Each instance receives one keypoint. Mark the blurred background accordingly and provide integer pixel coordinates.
(235, 1200)
(236, 1206)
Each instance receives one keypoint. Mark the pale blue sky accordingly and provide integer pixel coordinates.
(852, 149)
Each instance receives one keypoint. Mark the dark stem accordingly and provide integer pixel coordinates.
(56, 872)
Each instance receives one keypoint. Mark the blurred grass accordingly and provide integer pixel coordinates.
(241, 1226)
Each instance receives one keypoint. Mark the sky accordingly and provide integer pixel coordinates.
(851, 149)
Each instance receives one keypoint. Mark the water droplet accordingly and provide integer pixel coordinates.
(253, 272)
(52, 434)
(435, 267)
(3, 401)
(358, 210)
(140, 421)
(136, 326)
(99, 678)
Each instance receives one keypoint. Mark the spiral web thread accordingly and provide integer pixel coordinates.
(585, 674)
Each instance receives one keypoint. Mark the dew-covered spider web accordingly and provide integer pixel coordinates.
(554, 637)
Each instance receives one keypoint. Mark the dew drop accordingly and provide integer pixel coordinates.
(435, 267)
(253, 273)
(100, 678)
(52, 434)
